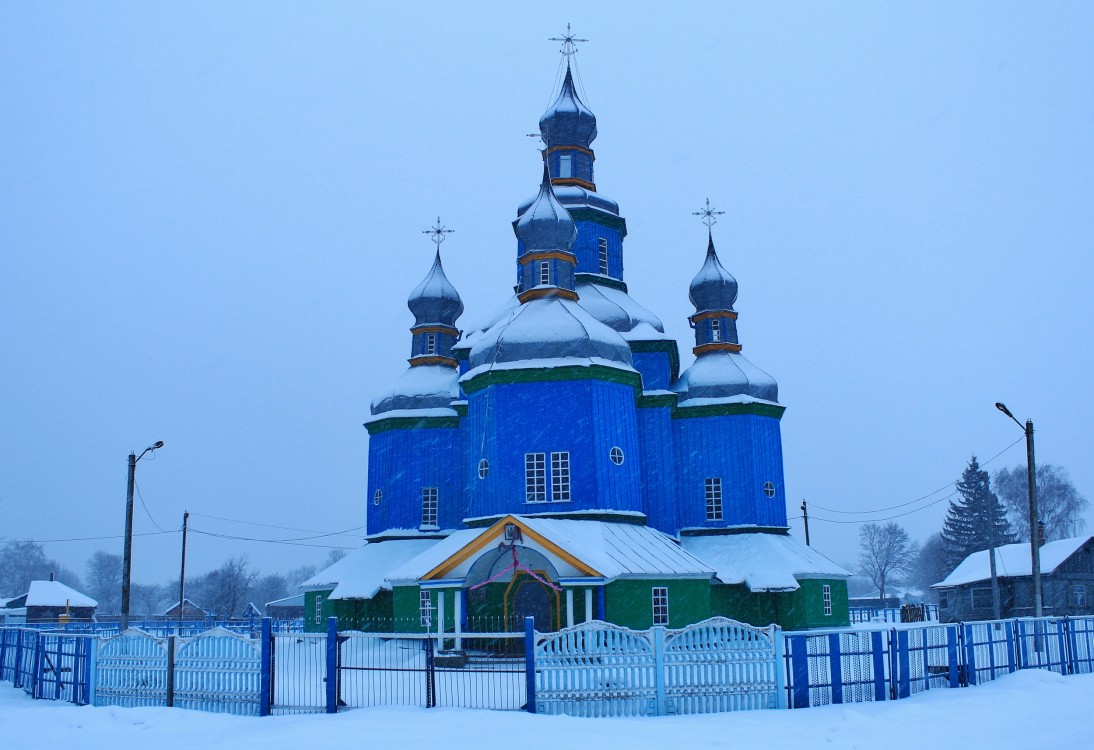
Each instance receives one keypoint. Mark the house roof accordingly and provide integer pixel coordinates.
(188, 606)
(594, 548)
(761, 561)
(1012, 560)
(363, 572)
(296, 600)
(56, 594)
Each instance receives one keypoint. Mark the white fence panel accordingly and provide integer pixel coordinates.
(219, 671)
(131, 670)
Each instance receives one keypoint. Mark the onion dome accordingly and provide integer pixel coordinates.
(435, 300)
(422, 387)
(615, 309)
(546, 225)
(713, 288)
(725, 376)
(548, 329)
(568, 122)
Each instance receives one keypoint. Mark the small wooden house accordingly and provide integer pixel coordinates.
(190, 611)
(52, 601)
(1067, 582)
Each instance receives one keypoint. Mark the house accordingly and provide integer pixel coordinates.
(557, 460)
(190, 611)
(289, 608)
(50, 601)
(1067, 582)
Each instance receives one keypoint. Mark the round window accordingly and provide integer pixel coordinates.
(769, 489)
(484, 468)
(616, 455)
(377, 497)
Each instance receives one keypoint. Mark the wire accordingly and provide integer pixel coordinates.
(146, 512)
(268, 541)
(255, 523)
(279, 541)
(886, 518)
(95, 538)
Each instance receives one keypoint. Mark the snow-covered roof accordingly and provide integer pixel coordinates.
(761, 561)
(419, 388)
(1012, 560)
(615, 308)
(611, 549)
(56, 594)
(296, 600)
(188, 606)
(363, 572)
(718, 377)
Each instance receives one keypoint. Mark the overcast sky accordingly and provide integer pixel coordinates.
(211, 216)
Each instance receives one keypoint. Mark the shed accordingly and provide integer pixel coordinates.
(53, 601)
(190, 611)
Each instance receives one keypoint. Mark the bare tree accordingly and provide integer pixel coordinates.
(23, 562)
(930, 565)
(1059, 504)
(885, 551)
(334, 556)
(229, 585)
(104, 580)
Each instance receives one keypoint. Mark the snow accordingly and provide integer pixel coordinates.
(363, 572)
(56, 594)
(1027, 709)
(763, 562)
(1012, 560)
(419, 387)
(715, 377)
(616, 309)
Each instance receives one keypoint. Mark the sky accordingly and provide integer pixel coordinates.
(211, 215)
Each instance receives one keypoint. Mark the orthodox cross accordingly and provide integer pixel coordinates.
(707, 215)
(569, 43)
(438, 232)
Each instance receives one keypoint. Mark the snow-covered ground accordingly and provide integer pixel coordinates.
(1028, 709)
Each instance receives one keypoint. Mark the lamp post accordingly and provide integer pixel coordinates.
(1031, 476)
(127, 555)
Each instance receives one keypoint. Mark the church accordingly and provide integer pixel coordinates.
(556, 462)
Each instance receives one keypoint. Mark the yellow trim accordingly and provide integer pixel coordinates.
(547, 292)
(574, 181)
(546, 255)
(433, 359)
(717, 346)
(435, 329)
(484, 539)
(716, 314)
(583, 150)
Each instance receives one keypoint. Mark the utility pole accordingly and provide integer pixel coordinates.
(991, 563)
(182, 573)
(1034, 530)
(805, 517)
(127, 554)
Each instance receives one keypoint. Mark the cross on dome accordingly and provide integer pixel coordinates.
(569, 43)
(707, 215)
(438, 234)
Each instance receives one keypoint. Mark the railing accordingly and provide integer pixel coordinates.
(907, 613)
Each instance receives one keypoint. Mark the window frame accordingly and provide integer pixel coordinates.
(318, 609)
(616, 456)
(377, 496)
(560, 476)
(659, 603)
(984, 592)
(484, 468)
(769, 488)
(430, 503)
(430, 344)
(602, 249)
(425, 608)
(715, 330)
(565, 166)
(826, 599)
(535, 477)
(1077, 595)
(712, 495)
(544, 271)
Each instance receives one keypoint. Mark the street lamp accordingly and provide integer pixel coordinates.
(127, 557)
(1031, 475)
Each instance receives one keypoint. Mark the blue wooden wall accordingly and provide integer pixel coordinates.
(403, 461)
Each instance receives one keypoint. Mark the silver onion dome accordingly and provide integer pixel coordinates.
(718, 376)
(568, 122)
(435, 299)
(713, 288)
(546, 225)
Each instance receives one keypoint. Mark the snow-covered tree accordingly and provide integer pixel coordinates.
(104, 580)
(885, 551)
(1059, 505)
(975, 521)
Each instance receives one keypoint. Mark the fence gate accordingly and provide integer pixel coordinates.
(722, 665)
(219, 671)
(131, 670)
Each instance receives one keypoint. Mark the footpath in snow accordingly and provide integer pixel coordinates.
(1024, 710)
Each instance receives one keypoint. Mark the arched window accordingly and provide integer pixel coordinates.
(484, 468)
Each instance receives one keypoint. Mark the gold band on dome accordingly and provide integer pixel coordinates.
(541, 293)
(547, 255)
(433, 359)
(574, 181)
(582, 149)
(714, 314)
(436, 329)
(717, 346)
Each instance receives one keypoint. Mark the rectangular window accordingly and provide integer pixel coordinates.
(1078, 595)
(943, 601)
(715, 329)
(318, 609)
(535, 477)
(431, 343)
(660, 605)
(604, 256)
(560, 476)
(714, 498)
(544, 273)
(429, 506)
(826, 596)
(981, 598)
(566, 165)
(425, 608)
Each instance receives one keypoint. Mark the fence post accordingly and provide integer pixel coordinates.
(903, 663)
(799, 662)
(266, 634)
(970, 654)
(430, 674)
(1069, 638)
(36, 668)
(16, 677)
(93, 669)
(1009, 628)
(877, 646)
(3, 650)
(952, 637)
(780, 666)
(659, 669)
(530, 663)
(332, 665)
(835, 667)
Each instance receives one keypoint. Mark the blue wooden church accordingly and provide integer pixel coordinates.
(557, 462)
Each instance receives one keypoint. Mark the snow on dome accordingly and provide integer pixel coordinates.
(568, 122)
(575, 195)
(615, 309)
(761, 561)
(435, 299)
(420, 387)
(56, 594)
(1012, 560)
(546, 225)
(548, 328)
(713, 288)
(723, 375)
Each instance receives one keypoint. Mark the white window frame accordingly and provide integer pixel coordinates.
(603, 248)
(318, 609)
(715, 329)
(431, 343)
(484, 468)
(535, 477)
(430, 496)
(712, 493)
(544, 273)
(560, 476)
(425, 608)
(659, 597)
(1078, 595)
(826, 597)
(616, 455)
(565, 165)
(377, 497)
(769, 489)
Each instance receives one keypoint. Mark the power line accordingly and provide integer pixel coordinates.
(94, 538)
(264, 525)
(146, 511)
(267, 541)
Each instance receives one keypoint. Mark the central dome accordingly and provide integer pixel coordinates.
(568, 122)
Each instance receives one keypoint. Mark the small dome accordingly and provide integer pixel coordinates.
(435, 300)
(546, 225)
(548, 329)
(568, 122)
(421, 387)
(713, 288)
(615, 308)
(724, 375)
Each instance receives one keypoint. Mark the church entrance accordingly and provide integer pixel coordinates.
(528, 597)
(507, 584)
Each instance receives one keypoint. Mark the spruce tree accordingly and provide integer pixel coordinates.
(976, 520)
